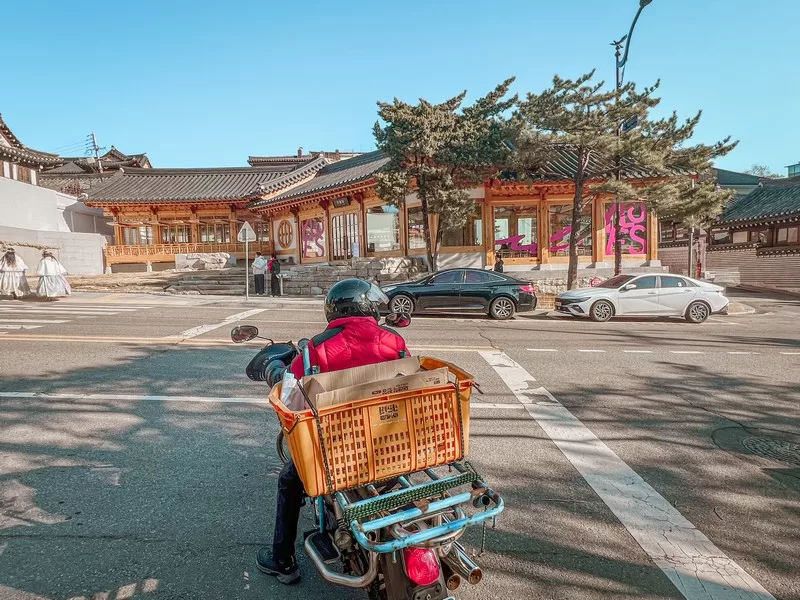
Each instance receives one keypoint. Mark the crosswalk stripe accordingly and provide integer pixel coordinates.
(33, 321)
(697, 568)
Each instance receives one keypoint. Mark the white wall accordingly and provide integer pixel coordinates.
(80, 253)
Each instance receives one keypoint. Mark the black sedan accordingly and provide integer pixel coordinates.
(460, 290)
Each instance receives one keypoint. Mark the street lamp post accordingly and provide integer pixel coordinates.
(621, 61)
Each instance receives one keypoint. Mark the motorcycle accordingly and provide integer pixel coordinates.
(399, 538)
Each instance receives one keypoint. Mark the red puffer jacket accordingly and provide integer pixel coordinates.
(351, 342)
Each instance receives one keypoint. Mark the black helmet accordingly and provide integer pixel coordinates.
(354, 298)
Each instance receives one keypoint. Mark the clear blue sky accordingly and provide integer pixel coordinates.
(200, 83)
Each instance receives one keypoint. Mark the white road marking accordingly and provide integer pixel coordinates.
(697, 568)
(447, 348)
(481, 405)
(791, 353)
(542, 350)
(638, 351)
(4, 326)
(591, 350)
(32, 321)
(201, 329)
(134, 398)
(685, 352)
(744, 353)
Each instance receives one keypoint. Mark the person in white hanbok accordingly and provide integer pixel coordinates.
(12, 275)
(52, 283)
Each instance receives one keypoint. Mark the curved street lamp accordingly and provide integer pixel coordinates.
(622, 60)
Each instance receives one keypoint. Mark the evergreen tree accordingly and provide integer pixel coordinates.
(650, 162)
(439, 151)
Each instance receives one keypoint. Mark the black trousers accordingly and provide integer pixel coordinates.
(260, 281)
(275, 284)
(287, 512)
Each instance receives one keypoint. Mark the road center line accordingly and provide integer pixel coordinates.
(201, 329)
(685, 352)
(542, 350)
(791, 353)
(598, 351)
(697, 568)
(638, 351)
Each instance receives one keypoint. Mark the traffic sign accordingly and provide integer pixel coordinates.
(246, 233)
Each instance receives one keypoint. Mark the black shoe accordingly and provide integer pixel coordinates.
(287, 572)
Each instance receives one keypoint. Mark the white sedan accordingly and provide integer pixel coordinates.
(646, 295)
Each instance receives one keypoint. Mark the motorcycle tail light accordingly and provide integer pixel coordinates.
(422, 565)
(528, 289)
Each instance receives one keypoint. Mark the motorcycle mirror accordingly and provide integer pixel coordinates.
(244, 333)
(398, 319)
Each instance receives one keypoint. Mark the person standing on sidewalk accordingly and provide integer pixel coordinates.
(12, 275)
(274, 268)
(259, 270)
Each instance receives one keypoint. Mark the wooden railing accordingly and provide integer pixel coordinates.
(165, 252)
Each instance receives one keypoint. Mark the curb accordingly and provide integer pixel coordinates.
(738, 308)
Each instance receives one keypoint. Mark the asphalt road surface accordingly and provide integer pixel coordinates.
(638, 458)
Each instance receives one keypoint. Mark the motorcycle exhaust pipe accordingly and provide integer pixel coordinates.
(452, 580)
(461, 564)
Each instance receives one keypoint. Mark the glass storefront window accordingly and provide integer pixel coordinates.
(383, 229)
(516, 231)
(633, 227)
(470, 234)
(312, 237)
(561, 228)
(344, 232)
(219, 233)
(176, 233)
(137, 236)
(416, 232)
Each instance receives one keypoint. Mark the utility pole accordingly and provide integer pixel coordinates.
(620, 62)
(96, 149)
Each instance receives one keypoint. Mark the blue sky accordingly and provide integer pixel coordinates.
(196, 83)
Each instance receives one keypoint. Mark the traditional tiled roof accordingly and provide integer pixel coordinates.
(257, 161)
(20, 153)
(197, 185)
(725, 177)
(772, 200)
(561, 164)
(338, 174)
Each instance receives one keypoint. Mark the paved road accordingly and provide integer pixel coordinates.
(648, 459)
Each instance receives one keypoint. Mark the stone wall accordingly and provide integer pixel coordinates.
(314, 280)
(80, 253)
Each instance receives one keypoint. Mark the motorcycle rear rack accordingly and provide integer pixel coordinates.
(365, 517)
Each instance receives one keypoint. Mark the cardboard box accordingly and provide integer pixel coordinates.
(334, 380)
(384, 387)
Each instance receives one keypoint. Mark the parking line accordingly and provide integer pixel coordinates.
(697, 568)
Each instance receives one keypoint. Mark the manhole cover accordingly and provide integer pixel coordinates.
(785, 452)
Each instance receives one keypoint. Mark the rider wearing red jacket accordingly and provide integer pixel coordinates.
(353, 338)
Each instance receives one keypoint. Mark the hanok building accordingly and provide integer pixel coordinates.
(758, 236)
(77, 175)
(19, 162)
(160, 213)
(337, 215)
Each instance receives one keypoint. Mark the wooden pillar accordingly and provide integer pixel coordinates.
(599, 224)
(362, 224)
(544, 230)
(327, 231)
(652, 237)
(488, 229)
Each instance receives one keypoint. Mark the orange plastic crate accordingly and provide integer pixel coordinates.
(381, 437)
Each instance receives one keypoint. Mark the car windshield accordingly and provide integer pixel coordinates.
(616, 282)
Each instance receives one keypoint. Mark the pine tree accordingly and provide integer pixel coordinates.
(439, 151)
(651, 162)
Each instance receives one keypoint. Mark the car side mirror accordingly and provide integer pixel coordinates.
(630, 286)
(398, 319)
(244, 333)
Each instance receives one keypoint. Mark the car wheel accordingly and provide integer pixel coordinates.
(502, 308)
(601, 311)
(697, 312)
(401, 304)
